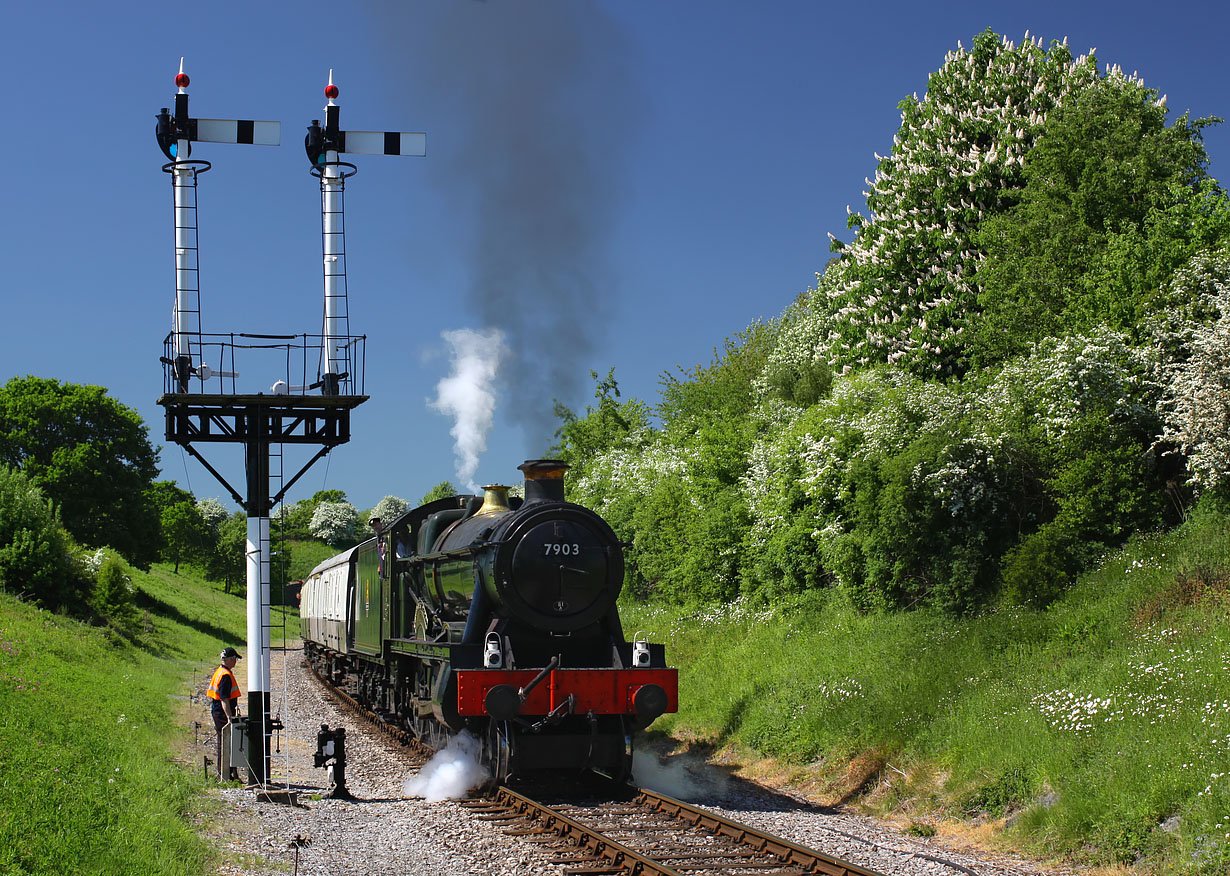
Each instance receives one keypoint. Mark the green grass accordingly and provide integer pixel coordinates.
(306, 556)
(89, 727)
(1094, 722)
(190, 611)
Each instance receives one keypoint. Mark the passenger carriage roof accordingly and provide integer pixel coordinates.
(341, 559)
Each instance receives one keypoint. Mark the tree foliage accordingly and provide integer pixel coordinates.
(389, 508)
(1114, 202)
(226, 559)
(90, 455)
(295, 520)
(606, 426)
(114, 595)
(335, 522)
(442, 490)
(212, 512)
(1196, 404)
(33, 548)
(184, 532)
(904, 291)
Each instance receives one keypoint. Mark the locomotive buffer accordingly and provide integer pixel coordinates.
(289, 413)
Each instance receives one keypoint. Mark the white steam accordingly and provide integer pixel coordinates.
(450, 773)
(468, 396)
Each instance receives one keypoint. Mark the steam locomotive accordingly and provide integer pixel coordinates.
(496, 616)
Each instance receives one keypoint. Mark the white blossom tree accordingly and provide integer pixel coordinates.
(212, 512)
(1197, 398)
(334, 522)
(389, 508)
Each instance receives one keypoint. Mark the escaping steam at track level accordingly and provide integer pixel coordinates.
(452, 772)
(468, 395)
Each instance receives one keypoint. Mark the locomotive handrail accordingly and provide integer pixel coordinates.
(457, 553)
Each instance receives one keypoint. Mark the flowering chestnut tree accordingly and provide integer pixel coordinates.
(906, 286)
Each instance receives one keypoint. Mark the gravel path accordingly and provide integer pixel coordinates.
(383, 832)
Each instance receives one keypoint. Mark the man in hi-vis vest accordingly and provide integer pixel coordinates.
(224, 691)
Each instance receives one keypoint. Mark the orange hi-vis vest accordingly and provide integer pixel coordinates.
(219, 673)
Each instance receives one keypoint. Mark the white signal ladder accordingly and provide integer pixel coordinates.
(325, 146)
(279, 697)
(186, 314)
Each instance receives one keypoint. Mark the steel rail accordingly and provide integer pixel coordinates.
(792, 854)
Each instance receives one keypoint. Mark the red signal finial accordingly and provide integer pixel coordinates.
(181, 78)
(331, 91)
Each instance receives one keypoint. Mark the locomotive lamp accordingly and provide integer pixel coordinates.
(492, 658)
(640, 650)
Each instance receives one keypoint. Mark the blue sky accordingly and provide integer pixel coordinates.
(614, 184)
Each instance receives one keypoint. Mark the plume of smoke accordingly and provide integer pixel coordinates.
(537, 107)
(683, 777)
(450, 773)
(468, 395)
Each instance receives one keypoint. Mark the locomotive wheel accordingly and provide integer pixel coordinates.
(624, 773)
(498, 751)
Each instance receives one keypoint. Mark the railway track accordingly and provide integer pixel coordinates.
(643, 833)
(402, 737)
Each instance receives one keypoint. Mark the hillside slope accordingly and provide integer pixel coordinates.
(1097, 730)
(89, 727)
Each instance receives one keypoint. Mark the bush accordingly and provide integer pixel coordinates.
(1197, 397)
(113, 593)
(1039, 569)
(389, 509)
(33, 546)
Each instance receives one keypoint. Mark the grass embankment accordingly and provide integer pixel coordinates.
(89, 726)
(1103, 723)
(306, 556)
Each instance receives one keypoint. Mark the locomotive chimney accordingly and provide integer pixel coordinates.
(495, 499)
(544, 479)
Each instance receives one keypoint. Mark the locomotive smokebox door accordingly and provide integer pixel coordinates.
(564, 573)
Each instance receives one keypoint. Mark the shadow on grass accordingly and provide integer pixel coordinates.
(704, 773)
(156, 606)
